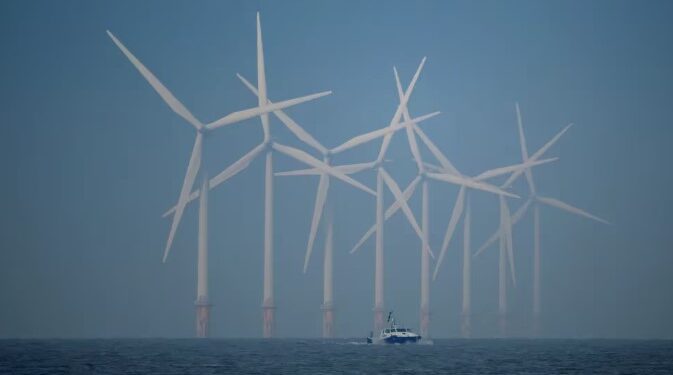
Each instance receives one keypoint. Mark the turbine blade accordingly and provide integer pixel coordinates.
(524, 151)
(399, 197)
(495, 236)
(320, 197)
(345, 168)
(355, 168)
(515, 219)
(195, 194)
(433, 168)
(398, 111)
(467, 182)
(507, 226)
(521, 211)
(413, 146)
(408, 192)
(443, 160)
(261, 79)
(291, 125)
(190, 176)
(300, 172)
(305, 158)
(368, 137)
(411, 138)
(257, 111)
(511, 168)
(522, 137)
(231, 171)
(455, 215)
(566, 207)
(166, 95)
(364, 238)
(237, 166)
(537, 155)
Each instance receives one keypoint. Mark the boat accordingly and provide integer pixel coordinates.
(394, 334)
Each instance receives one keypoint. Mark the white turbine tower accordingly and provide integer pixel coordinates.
(195, 168)
(507, 222)
(321, 196)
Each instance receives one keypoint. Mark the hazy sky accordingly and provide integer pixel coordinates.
(91, 157)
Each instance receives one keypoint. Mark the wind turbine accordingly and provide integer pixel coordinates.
(196, 167)
(535, 200)
(323, 185)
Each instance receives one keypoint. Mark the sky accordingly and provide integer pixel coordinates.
(91, 157)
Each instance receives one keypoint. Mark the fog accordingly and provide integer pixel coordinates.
(92, 157)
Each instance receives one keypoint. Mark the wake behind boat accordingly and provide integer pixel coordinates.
(394, 334)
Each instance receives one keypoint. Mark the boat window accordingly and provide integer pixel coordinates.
(386, 331)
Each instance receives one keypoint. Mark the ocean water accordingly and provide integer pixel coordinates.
(315, 356)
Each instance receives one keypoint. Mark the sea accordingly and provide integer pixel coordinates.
(342, 356)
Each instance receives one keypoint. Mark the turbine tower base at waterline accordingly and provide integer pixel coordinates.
(466, 326)
(202, 317)
(502, 325)
(327, 320)
(269, 310)
(379, 321)
(425, 323)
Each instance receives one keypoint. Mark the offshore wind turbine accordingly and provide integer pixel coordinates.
(323, 185)
(506, 223)
(267, 147)
(535, 199)
(196, 167)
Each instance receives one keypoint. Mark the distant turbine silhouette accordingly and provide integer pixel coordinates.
(507, 221)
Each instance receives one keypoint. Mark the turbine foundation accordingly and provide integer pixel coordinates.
(425, 323)
(466, 326)
(269, 321)
(202, 318)
(502, 325)
(327, 321)
(379, 322)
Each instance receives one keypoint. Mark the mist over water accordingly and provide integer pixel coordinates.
(92, 157)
